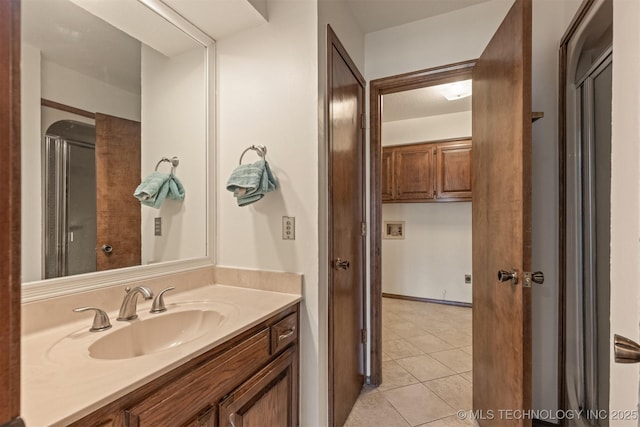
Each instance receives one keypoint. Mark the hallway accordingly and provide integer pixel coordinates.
(426, 368)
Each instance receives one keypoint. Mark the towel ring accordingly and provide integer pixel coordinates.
(174, 162)
(260, 149)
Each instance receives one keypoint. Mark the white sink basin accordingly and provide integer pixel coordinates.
(155, 334)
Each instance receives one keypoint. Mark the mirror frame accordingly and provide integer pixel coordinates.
(50, 288)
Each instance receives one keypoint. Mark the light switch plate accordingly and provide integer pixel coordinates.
(288, 228)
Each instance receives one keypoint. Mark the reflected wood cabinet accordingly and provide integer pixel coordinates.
(437, 171)
(251, 380)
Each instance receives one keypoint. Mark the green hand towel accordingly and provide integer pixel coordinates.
(249, 183)
(157, 187)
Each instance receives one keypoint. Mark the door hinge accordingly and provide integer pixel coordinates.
(363, 228)
(363, 337)
(363, 121)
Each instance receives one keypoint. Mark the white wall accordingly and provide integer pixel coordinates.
(432, 128)
(268, 94)
(173, 124)
(31, 149)
(436, 253)
(443, 39)
(549, 25)
(67, 86)
(625, 201)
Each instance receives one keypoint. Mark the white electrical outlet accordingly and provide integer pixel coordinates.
(288, 228)
(157, 226)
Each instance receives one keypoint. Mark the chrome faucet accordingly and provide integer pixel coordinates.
(129, 304)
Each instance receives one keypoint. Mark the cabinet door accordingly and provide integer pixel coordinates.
(206, 418)
(266, 399)
(387, 174)
(454, 171)
(415, 173)
(188, 400)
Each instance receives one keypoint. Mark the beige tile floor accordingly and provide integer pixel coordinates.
(426, 368)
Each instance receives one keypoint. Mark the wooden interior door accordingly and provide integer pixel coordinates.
(346, 239)
(117, 176)
(10, 213)
(502, 220)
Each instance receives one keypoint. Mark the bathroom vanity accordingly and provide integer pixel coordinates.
(252, 377)
(219, 356)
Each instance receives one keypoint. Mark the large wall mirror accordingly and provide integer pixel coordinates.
(111, 92)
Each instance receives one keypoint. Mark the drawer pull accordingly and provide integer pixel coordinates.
(287, 333)
(232, 419)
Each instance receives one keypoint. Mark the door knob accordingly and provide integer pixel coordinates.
(625, 350)
(340, 264)
(505, 276)
(107, 249)
(535, 277)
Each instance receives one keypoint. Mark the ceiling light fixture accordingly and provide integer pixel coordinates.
(455, 90)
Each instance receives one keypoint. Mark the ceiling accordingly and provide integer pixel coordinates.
(70, 36)
(374, 15)
(55, 25)
(423, 102)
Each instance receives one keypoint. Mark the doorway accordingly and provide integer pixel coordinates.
(347, 233)
(586, 105)
(381, 90)
(70, 208)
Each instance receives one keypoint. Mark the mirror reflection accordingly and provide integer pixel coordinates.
(103, 102)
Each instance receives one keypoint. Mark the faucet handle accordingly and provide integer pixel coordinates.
(158, 303)
(100, 320)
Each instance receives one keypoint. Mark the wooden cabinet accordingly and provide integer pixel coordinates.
(427, 172)
(266, 398)
(251, 380)
(414, 172)
(454, 171)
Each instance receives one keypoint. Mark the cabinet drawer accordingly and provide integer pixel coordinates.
(193, 394)
(284, 332)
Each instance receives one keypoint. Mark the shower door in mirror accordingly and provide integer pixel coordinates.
(70, 208)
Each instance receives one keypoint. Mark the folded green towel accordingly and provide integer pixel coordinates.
(250, 183)
(157, 187)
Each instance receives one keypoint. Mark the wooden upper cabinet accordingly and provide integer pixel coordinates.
(387, 175)
(454, 170)
(414, 172)
(427, 172)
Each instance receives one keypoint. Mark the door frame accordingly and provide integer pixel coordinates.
(10, 269)
(334, 42)
(378, 88)
(563, 54)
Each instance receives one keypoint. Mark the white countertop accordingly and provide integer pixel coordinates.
(61, 383)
